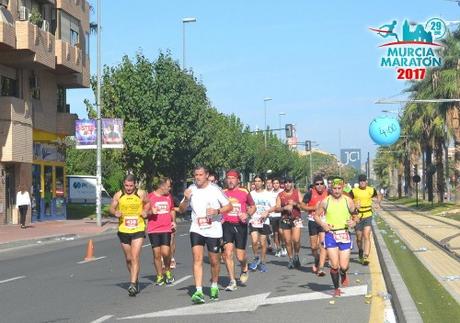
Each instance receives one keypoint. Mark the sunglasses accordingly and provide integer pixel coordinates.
(319, 183)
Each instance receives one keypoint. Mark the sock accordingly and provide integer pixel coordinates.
(343, 272)
(199, 288)
(317, 261)
(213, 284)
(335, 277)
(360, 253)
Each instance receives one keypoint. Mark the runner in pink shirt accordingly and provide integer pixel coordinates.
(161, 223)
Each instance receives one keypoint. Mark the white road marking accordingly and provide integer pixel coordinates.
(183, 235)
(179, 281)
(102, 319)
(86, 261)
(11, 279)
(248, 303)
(146, 245)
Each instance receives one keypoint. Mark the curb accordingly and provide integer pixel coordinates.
(402, 301)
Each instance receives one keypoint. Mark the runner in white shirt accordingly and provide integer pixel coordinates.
(275, 220)
(207, 202)
(259, 224)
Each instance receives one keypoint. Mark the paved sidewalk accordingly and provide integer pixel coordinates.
(444, 268)
(12, 235)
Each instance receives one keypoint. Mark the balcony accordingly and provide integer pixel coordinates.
(7, 36)
(68, 57)
(75, 80)
(15, 130)
(31, 39)
(65, 123)
(77, 8)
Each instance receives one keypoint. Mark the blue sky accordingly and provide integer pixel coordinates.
(317, 60)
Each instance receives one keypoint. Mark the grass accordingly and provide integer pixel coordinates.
(454, 216)
(433, 302)
(82, 211)
(423, 205)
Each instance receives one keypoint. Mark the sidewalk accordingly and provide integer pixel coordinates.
(444, 268)
(13, 236)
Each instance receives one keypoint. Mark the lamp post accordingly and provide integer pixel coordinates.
(184, 22)
(265, 109)
(279, 121)
(98, 122)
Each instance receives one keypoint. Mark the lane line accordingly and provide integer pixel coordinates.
(102, 319)
(86, 261)
(146, 245)
(179, 281)
(11, 279)
(183, 235)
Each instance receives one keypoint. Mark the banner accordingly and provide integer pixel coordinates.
(86, 134)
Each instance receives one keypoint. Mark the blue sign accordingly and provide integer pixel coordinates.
(351, 157)
(384, 131)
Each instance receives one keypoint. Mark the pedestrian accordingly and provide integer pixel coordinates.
(131, 207)
(22, 203)
(207, 201)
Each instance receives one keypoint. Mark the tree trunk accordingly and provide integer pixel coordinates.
(453, 120)
(407, 177)
(429, 172)
(440, 180)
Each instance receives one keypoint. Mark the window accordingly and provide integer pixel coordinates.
(61, 99)
(34, 86)
(8, 86)
(70, 28)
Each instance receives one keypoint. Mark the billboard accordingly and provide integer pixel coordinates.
(86, 134)
(351, 157)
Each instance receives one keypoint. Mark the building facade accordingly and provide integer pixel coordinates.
(44, 50)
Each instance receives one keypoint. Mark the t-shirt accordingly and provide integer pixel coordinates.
(210, 196)
(160, 222)
(240, 199)
(274, 196)
(263, 201)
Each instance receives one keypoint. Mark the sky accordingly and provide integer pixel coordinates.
(316, 60)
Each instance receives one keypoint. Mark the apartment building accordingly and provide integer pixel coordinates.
(44, 50)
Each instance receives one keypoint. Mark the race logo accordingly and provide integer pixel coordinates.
(414, 49)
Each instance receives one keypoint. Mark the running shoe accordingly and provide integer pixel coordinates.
(214, 293)
(262, 268)
(173, 263)
(132, 290)
(278, 253)
(198, 297)
(169, 278)
(244, 277)
(159, 281)
(314, 269)
(337, 292)
(232, 286)
(360, 259)
(296, 262)
(321, 273)
(284, 252)
(253, 265)
(365, 261)
(290, 264)
(344, 280)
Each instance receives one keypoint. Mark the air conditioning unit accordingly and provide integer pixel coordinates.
(23, 13)
(45, 25)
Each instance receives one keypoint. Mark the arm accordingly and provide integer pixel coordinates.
(352, 209)
(320, 208)
(278, 205)
(185, 201)
(114, 205)
(146, 207)
(301, 204)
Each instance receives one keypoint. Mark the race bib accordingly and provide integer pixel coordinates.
(204, 222)
(162, 207)
(298, 223)
(236, 210)
(131, 222)
(341, 236)
(256, 221)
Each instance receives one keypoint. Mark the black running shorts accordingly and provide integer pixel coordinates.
(236, 233)
(213, 244)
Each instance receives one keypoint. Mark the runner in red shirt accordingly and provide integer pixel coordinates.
(161, 223)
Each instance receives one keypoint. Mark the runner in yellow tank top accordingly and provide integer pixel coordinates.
(130, 206)
(337, 241)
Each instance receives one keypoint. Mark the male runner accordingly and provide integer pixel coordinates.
(362, 197)
(275, 218)
(161, 222)
(337, 241)
(235, 227)
(311, 199)
(207, 201)
(289, 202)
(130, 206)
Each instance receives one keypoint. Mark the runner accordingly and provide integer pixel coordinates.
(130, 206)
(235, 227)
(337, 208)
(275, 221)
(289, 203)
(259, 227)
(311, 199)
(362, 197)
(161, 222)
(207, 201)
(269, 189)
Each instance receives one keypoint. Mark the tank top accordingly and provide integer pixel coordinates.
(314, 200)
(337, 213)
(131, 220)
(364, 197)
(285, 198)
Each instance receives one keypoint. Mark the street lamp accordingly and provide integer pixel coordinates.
(265, 109)
(185, 21)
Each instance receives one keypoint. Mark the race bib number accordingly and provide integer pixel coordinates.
(131, 222)
(204, 222)
(236, 210)
(162, 207)
(256, 221)
(341, 236)
(298, 223)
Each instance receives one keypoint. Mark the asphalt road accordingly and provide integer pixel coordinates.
(46, 284)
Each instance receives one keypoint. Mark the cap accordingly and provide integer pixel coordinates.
(362, 178)
(233, 172)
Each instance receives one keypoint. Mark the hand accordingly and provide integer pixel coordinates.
(243, 216)
(118, 214)
(351, 223)
(154, 210)
(288, 207)
(145, 214)
(327, 227)
(211, 211)
(377, 206)
(173, 226)
(187, 194)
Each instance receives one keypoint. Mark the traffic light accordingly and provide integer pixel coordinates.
(289, 130)
(308, 145)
